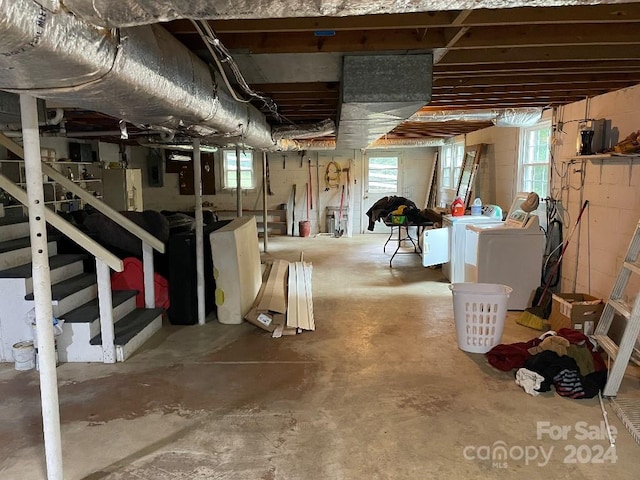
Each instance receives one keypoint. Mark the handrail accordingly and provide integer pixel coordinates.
(102, 207)
(65, 227)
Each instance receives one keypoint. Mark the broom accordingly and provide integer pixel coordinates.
(535, 316)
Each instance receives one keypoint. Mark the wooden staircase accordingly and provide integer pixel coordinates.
(74, 294)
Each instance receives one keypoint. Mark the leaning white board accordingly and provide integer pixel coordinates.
(236, 268)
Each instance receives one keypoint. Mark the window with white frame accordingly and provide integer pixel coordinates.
(383, 174)
(534, 162)
(230, 169)
(451, 157)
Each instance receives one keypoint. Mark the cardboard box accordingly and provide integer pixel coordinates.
(578, 311)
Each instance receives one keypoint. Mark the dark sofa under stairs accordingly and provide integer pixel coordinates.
(74, 295)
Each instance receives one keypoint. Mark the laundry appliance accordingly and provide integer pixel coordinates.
(446, 245)
(508, 253)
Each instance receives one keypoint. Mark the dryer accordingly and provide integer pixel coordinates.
(509, 253)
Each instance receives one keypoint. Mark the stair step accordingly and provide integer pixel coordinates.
(90, 311)
(22, 242)
(12, 220)
(130, 325)
(15, 244)
(69, 287)
(56, 261)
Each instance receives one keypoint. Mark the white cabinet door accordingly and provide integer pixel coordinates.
(435, 247)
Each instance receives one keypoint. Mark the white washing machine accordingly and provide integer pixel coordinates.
(508, 253)
(446, 245)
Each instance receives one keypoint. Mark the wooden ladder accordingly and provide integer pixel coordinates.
(621, 354)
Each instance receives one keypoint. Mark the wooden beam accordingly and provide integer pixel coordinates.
(452, 37)
(297, 87)
(612, 13)
(535, 54)
(297, 24)
(539, 68)
(549, 35)
(345, 41)
(520, 80)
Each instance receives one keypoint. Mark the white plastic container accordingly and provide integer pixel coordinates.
(480, 310)
(24, 354)
(476, 207)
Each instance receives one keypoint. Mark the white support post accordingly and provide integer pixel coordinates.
(42, 288)
(103, 274)
(197, 183)
(264, 202)
(238, 184)
(147, 267)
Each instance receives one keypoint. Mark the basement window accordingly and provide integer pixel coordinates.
(383, 174)
(451, 156)
(533, 172)
(229, 166)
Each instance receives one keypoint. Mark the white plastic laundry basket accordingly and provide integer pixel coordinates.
(479, 310)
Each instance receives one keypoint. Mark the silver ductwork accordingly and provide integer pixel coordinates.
(378, 93)
(126, 13)
(142, 75)
(320, 129)
(510, 117)
(381, 143)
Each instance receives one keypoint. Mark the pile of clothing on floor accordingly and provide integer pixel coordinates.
(565, 359)
(383, 208)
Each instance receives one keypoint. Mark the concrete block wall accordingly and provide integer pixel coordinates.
(611, 186)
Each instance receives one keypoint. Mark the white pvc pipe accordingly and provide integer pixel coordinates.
(197, 184)
(238, 184)
(42, 288)
(264, 201)
(147, 268)
(105, 305)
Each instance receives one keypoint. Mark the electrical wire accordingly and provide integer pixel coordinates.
(221, 55)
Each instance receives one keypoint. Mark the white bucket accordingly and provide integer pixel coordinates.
(25, 355)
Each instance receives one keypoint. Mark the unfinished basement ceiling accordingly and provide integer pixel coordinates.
(490, 55)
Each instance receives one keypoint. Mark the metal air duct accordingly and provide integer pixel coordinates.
(142, 75)
(381, 143)
(378, 93)
(510, 117)
(123, 13)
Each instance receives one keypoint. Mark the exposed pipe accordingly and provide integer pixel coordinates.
(142, 75)
(197, 184)
(42, 288)
(57, 118)
(238, 184)
(264, 202)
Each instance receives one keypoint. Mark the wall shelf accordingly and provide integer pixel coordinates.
(606, 156)
(54, 194)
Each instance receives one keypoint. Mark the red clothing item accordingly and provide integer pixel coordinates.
(506, 357)
(132, 278)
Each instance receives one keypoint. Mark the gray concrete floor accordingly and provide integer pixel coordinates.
(379, 391)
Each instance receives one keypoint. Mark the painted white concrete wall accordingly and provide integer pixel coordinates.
(416, 163)
(611, 186)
